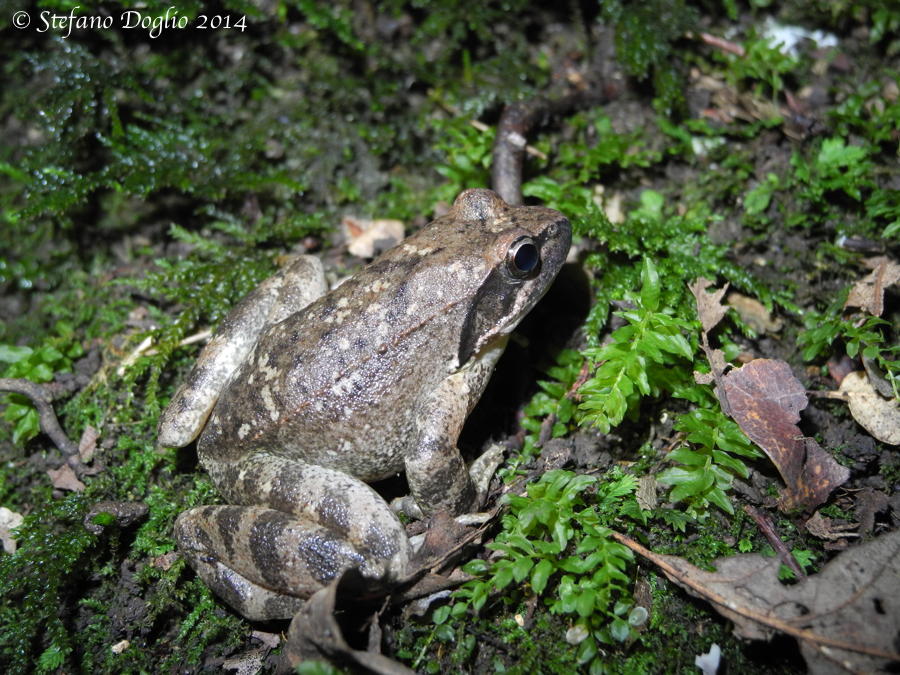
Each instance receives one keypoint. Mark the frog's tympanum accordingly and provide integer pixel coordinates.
(304, 396)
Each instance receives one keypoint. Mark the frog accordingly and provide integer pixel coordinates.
(305, 396)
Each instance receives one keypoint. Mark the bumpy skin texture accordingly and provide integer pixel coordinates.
(310, 401)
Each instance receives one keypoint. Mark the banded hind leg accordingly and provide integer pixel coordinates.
(297, 527)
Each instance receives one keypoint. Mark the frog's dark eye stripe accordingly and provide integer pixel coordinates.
(523, 259)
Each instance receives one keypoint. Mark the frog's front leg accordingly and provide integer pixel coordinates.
(437, 476)
(279, 296)
(303, 525)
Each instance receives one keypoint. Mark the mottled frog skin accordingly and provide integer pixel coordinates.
(303, 397)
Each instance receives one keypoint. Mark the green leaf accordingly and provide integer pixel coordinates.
(541, 574)
(445, 633)
(503, 575)
(521, 568)
(649, 285)
(475, 567)
(441, 614)
(26, 428)
(584, 605)
(587, 650)
(718, 497)
(620, 630)
(13, 353)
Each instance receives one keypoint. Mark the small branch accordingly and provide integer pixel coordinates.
(40, 397)
(516, 122)
(144, 349)
(764, 523)
(722, 44)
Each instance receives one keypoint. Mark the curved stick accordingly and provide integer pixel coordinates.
(516, 122)
(47, 418)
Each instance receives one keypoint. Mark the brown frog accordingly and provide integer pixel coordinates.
(303, 397)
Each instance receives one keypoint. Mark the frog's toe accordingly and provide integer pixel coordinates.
(482, 470)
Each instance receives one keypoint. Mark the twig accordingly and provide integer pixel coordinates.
(42, 400)
(144, 349)
(764, 523)
(517, 120)
(722, 43)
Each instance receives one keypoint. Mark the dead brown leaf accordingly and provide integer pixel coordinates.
(877, 415)
(824, 527)
(646, 492)
(709, 304)
(367, 238)
(314, 632)
(9, 520)
(765, 399)
(754, 313)
(846, 617)
(88, 444)
(869, 502)
(64, 478)
(711, 311)
(868, 292)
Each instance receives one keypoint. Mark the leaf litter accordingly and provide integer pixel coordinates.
(765, 399)
(845, 618)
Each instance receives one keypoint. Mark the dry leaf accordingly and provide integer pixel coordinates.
(754, 313)
(710, 311)
(120, 646)
(270, 640)
(88, 444)
(368, 238)
(709, 305)
(765, 399)
(247, 663)
(868, 503)
(314, 632)
(9, 520)
(64, 478)
(646, 492)
(868, 293)
(823, 527)
(165, 561)
(846, 617)
(877, 415)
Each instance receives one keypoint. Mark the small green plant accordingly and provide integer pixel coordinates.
(804, 557)
(707, 459)
(869, 336)
(638, 358)
(36, 578)
(38, 365)
(763, 64)
(466, 156)
(556, 536)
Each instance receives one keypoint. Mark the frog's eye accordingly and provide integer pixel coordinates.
(523, 259)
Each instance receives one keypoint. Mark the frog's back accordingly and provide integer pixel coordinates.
(338, 384)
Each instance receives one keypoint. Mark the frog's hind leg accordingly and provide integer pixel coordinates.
(302, 526)
(262, 562)
(345, 505)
